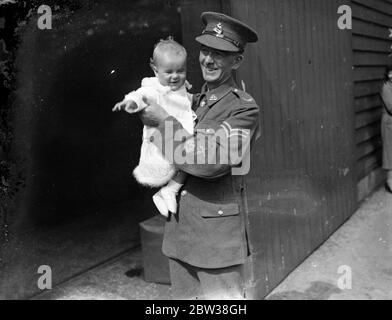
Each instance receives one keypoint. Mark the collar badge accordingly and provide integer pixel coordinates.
(213, 98)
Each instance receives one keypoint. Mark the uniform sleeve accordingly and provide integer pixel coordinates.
(137, 96)
(386, 96)
(215, 147)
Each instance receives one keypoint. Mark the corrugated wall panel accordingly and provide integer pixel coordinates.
(371, 53)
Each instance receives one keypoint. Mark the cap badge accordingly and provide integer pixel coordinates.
(218, 30)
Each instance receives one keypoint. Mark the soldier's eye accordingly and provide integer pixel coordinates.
(204, 50)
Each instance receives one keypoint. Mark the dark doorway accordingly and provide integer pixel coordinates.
(81, 205)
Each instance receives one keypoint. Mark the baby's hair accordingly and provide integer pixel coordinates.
(167, 45)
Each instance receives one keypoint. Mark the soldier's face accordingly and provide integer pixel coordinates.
(217, 66)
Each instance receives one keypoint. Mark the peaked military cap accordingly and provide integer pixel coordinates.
(225, 33)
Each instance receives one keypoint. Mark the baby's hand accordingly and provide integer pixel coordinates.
(128, 105)
(119, 106)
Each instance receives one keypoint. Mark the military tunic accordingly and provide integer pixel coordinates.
(209, 230)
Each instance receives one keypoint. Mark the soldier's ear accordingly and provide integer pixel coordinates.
(237, 61)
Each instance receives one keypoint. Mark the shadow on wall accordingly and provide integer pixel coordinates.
(82, 154)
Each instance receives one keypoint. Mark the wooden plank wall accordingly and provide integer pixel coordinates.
(371, 53)
(303, 182)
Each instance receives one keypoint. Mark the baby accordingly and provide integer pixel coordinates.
(168, 89)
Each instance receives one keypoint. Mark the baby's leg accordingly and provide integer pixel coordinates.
(160, 204)
(169, 193)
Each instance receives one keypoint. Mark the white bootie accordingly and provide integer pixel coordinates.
(169, 194)
(169, 197)
(160, 204)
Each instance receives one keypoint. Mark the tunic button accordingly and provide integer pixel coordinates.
(183, 192)
(220, 212)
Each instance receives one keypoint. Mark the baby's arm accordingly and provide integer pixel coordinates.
(128, 105)
(133, 101)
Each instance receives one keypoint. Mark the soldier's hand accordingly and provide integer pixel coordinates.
(153, 114)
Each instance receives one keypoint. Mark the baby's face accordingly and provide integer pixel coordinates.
(170, 70)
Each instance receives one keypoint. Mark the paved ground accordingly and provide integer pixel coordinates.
(363, 246)
(120, 279)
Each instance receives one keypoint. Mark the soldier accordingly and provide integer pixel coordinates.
(206, 241)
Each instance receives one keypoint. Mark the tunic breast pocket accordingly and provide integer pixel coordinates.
(207, 124)
(215, 121)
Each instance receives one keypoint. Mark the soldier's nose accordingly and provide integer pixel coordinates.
(208, 59)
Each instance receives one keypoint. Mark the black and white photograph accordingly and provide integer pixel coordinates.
(209, 151)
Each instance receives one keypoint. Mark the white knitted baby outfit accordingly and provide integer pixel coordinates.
(153, 169)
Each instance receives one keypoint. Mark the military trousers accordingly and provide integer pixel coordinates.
(193, 283)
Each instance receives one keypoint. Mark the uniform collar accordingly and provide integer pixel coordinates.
(215, 95)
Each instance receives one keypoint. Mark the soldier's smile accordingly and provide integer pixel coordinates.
(209, 69)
